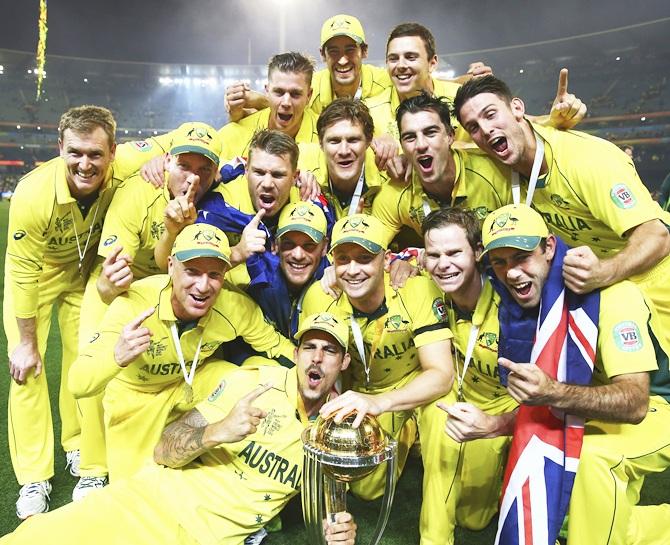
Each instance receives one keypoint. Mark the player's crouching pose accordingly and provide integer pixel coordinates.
(223, 469)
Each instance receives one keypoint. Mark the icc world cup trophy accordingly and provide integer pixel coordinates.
(336, 454)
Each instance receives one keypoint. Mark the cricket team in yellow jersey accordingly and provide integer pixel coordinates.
(286, 232)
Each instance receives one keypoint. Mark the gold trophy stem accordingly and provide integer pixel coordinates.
(336, 497)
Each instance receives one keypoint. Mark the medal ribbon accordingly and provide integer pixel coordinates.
(188, 376)
(534, 173)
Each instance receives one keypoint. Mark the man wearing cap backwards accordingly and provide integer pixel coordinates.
(55, 221)
(441, 176)
(401, 348)
(225, 467)
(126, 252)
(348, 175)
(152, 339)
(468, 475)
(587, 191)
(626, 431)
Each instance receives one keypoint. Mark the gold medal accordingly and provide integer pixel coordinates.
(188, 393)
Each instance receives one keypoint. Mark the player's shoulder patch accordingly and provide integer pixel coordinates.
(627, 336)
(141, 145)
(439, 309)
(622, 196)
(217, 392)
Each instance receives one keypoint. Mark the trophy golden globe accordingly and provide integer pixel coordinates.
(336, 454)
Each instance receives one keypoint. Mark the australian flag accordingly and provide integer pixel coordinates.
(561, 339)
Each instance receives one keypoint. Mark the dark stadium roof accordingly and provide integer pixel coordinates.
(242, 31)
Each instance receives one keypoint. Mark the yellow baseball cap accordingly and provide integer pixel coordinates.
(336, 325)
(201, 240)
(303, 216)
(362, 229)
(342, 25)
(197, 138)
(513, 226)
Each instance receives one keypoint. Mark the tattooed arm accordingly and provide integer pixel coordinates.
(187, 438)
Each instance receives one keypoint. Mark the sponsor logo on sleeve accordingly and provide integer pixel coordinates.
(627, 336)
(622, 196)
(110, 240)
(217, 392)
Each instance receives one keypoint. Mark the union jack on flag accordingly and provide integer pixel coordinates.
(546, 444)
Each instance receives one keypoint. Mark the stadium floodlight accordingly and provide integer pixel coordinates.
(18, 127)
(85, 80)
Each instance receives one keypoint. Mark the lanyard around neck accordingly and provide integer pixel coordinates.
(358, 191)
(80, 252)
(360, 345)
(534, 174)
(188, 376)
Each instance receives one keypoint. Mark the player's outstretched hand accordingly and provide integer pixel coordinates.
(385, 148)
(23, 358)
(134, 340)
(329, 284)
(527, 383)
(242, 420)
(399, 271)
(308, 185)
(181, 211)
(567, 110)
(465, 422)
(252, 240)
(153, 171)
(583, 271)
(479, 69)
(342, 531)
(350, 402)
(116, 275)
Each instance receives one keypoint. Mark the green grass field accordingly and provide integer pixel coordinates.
(403, 524)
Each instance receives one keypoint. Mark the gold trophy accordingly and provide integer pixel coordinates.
(336, 454)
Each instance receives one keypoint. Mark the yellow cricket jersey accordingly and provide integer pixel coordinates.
(261, 472)
(132, 155)
(481, 385)
(624, 343)
(233, 314)
(482, 185)
(410, 317)
(374, 80)
(135, 221)
(591, 194)
(236, 194)
(384, 105)
(236, 136)
(373, 182)
(47, 229)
